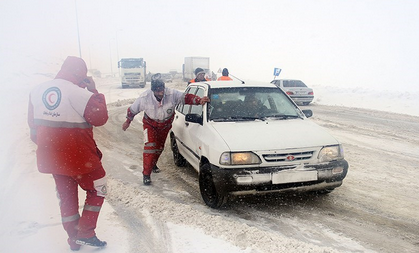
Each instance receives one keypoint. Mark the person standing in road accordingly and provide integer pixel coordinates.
(61, 116)
(225, 76)
(158, 105)
(200, 76)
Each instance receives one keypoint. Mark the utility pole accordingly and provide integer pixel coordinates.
(110, 56)
(78, 34)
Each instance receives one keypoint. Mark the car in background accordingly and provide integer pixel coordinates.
(167, 77)
(250, 139)
(296, 89)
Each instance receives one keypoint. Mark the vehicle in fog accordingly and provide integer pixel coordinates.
(167, 77)
(296, 89)
(132, 72)
(252, 138)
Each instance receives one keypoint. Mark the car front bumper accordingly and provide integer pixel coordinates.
(265, 179)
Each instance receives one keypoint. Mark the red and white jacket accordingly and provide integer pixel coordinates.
(61, 117)
(160, 111)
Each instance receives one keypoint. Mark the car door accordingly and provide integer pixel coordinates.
(179, 123)
(192, 132)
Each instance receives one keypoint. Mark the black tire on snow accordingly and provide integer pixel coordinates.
(179, 160)
(324, 191)
(209, 193)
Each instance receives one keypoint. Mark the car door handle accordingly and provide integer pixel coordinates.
(187, 123)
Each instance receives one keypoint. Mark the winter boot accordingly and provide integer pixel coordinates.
(73, 245)
(146, 179)
(156, 169)
(92, 241)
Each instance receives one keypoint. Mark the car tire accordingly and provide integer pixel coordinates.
(209, 193)
(179, 160)
(324, 191)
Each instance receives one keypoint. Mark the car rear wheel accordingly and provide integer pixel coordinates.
(209, 193)
(177, 157)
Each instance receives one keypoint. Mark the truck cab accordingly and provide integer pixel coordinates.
(132, 72)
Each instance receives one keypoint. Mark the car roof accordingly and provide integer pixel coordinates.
(235, 84)
(286, 80)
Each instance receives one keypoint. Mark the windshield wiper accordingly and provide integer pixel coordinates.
(283, 116)
(238, 118)
(246, 118)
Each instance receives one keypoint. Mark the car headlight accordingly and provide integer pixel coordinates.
(330, 153)
(239, 158)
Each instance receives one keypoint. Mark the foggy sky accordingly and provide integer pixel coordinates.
(357, 43)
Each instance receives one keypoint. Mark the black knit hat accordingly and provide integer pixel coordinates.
(225, 72)
(156, 83)
(198, 70)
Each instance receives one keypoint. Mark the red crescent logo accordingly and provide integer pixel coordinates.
(50, 97)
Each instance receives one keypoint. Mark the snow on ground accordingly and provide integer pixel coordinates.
(29, 212)
(394, 100)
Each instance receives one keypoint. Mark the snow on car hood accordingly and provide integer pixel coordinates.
(273, 134)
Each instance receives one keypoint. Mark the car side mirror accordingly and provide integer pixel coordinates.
(194, 118)
(308, 113)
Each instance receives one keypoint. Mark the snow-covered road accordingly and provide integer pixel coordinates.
(374, 210)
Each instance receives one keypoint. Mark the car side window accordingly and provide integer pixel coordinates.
(179, 107)
(186, 108)
(197, 109)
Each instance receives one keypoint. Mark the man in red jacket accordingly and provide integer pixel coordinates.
(61, 116)
(158, 105)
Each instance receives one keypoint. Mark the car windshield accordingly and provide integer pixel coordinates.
(129, 64)
(250, 103)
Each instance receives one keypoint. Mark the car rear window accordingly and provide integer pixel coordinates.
(293, 83)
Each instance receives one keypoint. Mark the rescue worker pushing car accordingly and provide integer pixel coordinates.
(158, 105)
(61, 116)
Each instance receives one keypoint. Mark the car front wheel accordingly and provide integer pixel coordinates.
(324, 191)
(209, 193)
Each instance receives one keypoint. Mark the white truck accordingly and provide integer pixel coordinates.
(191, 63)
(132, 72)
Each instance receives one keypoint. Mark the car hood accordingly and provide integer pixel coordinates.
(273, 134)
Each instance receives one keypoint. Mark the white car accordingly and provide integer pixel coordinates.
(252, 138)
(296, 89)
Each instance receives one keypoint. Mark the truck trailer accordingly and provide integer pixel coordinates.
(191, 63)
(132, 72)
